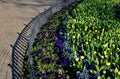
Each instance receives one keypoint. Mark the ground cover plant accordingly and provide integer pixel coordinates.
(82, 41)
(46, 61)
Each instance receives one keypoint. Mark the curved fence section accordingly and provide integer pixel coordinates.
(19, 49)
(26, 38)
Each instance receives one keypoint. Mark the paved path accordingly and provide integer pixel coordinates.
(13, 15)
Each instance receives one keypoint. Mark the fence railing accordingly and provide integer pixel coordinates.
(19, 50)
(26, 38)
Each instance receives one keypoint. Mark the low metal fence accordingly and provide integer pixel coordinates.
(26, 39)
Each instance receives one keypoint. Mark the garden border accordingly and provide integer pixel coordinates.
(26, 38)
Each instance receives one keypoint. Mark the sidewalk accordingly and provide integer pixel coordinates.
(13, 15)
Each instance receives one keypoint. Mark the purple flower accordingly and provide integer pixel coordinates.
(58, 41)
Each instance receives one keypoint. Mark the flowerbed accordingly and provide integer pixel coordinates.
(46, 61)
(81, 42)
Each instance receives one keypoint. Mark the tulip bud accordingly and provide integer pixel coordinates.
(108, 63)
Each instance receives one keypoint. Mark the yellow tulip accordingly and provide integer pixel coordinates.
(77, 59)
(94, 52)
(95, 30)
(105, 53)
(118, 49)
(113, 45)
(108, 63)
(73, 37)
(86, 27)
(91, 71)
(86, 42)
(106, 56)
(102, 57)
(118, 72)
(82, 57)
(98, 77)
(104, 72)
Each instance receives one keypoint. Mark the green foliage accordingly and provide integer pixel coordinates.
(96, 26)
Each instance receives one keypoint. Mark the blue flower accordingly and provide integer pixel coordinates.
(78, 55)
(64, 22)
(64, 45)
(69, 50)
(84, 61)
(61, 37)
(98, 74)
(82, 42)
(83, 75)
(39, 74)
(88, 66)
(98, 58)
